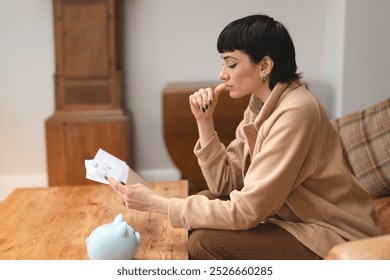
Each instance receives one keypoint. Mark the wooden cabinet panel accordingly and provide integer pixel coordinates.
(85, 39)
(72, 140)
(88, 49)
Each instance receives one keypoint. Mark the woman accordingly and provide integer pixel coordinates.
(281, 189)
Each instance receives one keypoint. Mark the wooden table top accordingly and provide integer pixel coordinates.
(51, 223)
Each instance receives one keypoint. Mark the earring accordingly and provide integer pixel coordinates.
(263, 79)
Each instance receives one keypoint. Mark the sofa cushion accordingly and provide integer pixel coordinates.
(365, 136)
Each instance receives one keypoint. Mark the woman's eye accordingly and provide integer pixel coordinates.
(232, 65)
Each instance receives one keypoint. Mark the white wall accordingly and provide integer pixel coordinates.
(170, 41)
(367, 59)
(26, 91)
(332, 81)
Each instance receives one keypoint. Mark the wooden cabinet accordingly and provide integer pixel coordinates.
(89, 103)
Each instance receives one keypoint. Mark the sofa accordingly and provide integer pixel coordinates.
(365, 136)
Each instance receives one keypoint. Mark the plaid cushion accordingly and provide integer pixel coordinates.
(365, 136)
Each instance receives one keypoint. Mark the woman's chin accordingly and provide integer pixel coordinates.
(235, 94)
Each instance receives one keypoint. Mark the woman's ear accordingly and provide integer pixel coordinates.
(267, 64)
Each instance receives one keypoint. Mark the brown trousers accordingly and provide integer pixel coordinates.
(263, 242)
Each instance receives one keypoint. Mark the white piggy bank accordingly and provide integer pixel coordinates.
(115, 241)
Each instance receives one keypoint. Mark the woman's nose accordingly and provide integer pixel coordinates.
(223, 75)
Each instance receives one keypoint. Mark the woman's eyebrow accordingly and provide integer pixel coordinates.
(224, 57)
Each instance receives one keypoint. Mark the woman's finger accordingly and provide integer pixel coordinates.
(218, 90)
(206, 93)
(200, 95)
(118, 187)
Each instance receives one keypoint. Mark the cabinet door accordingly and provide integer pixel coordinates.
(87, 42)
(70, 142)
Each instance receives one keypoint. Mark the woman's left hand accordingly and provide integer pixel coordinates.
(140, 197)
(204, 101)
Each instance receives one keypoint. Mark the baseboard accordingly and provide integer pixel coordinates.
(9, 182)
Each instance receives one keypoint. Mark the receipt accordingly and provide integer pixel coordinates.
(105, 164)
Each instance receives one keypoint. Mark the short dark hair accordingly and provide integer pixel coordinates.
(259, 36)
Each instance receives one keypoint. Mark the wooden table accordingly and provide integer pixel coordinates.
(54, 222)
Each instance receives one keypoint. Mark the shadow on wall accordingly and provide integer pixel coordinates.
(326, 95)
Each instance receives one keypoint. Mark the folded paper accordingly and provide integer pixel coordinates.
(105, 164)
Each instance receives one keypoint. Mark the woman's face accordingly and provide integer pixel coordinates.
(240, 75)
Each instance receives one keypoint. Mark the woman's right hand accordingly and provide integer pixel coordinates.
(204, 101)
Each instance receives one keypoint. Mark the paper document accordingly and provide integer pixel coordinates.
(105, 164)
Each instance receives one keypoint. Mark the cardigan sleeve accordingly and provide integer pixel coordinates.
(222, 166)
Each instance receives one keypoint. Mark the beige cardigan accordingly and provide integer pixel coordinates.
(284, 167)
